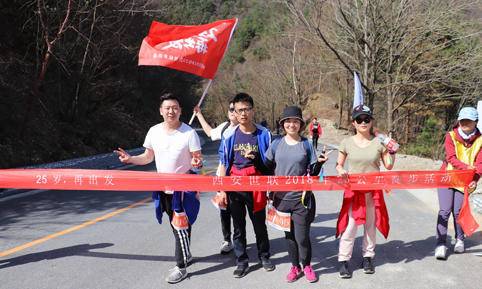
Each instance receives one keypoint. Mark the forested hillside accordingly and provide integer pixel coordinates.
(70, 85)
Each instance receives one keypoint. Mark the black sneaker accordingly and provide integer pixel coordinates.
(267, 265)
(344, 271)
(368, 265)
(240, 271)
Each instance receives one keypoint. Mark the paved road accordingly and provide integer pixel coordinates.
(130, 250)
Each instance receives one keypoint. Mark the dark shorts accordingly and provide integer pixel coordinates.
(300, 213)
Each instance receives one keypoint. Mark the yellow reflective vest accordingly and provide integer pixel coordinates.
(465, 154)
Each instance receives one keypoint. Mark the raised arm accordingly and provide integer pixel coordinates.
(143, 159)
(205, 125)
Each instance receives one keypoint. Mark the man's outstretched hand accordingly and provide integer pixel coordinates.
(124, 156)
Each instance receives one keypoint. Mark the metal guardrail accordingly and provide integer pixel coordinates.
(106, 161)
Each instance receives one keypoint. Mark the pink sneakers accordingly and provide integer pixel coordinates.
(293, 275)
(310, 274)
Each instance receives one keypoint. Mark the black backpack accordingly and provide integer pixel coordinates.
(225, 127)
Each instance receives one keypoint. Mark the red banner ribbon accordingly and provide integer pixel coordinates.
(112, 180)
(77, 179)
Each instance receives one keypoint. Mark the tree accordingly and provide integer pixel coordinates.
(50, 36)
(408, 52)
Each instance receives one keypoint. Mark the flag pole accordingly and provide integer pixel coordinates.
(358, 97)
(201, 100)
(211, 80)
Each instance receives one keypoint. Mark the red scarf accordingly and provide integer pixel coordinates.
(259, 197)
(356, 200)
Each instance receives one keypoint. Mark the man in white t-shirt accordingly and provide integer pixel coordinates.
(176, 148)
(216, 134)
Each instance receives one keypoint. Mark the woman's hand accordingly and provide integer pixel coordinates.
(472, 186)
(324, 155)
(342, 172)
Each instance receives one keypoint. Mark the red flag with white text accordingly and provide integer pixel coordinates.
(193, 49)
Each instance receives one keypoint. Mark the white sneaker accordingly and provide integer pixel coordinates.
(441, 252)
(226, 247)
(176, 275)
(459, 246)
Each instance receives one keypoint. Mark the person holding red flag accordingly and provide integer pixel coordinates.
(363, 151)
(176, 148)
(217, 133)
(462, 152)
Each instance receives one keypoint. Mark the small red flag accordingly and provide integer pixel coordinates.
(193, 49)
(466, 219)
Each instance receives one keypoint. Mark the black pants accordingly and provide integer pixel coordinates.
(240, 202)
(226, 223)
(182, 237)
(315, 141)
(298, 238)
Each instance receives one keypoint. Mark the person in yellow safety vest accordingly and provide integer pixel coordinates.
(462, 152)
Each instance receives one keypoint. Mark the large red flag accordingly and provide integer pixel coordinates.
(193, 49)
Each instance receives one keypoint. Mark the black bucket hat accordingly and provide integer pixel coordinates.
(361, 110)
(292, 112)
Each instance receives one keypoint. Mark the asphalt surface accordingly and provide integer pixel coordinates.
(131, 250)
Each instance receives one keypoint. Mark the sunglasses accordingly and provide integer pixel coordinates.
(231, 109)
(366, 120)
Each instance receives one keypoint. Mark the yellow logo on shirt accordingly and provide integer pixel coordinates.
(245, 148)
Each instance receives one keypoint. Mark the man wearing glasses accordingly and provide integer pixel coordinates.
(216, 134)
(242, 153)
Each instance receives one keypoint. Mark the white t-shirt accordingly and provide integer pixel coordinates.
(216, 132)
(172, 151)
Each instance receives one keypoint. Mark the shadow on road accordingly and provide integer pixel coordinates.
(392, 252)
(52, 254)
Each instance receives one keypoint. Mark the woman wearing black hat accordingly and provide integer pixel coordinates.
(293, 155)
(363, 151)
